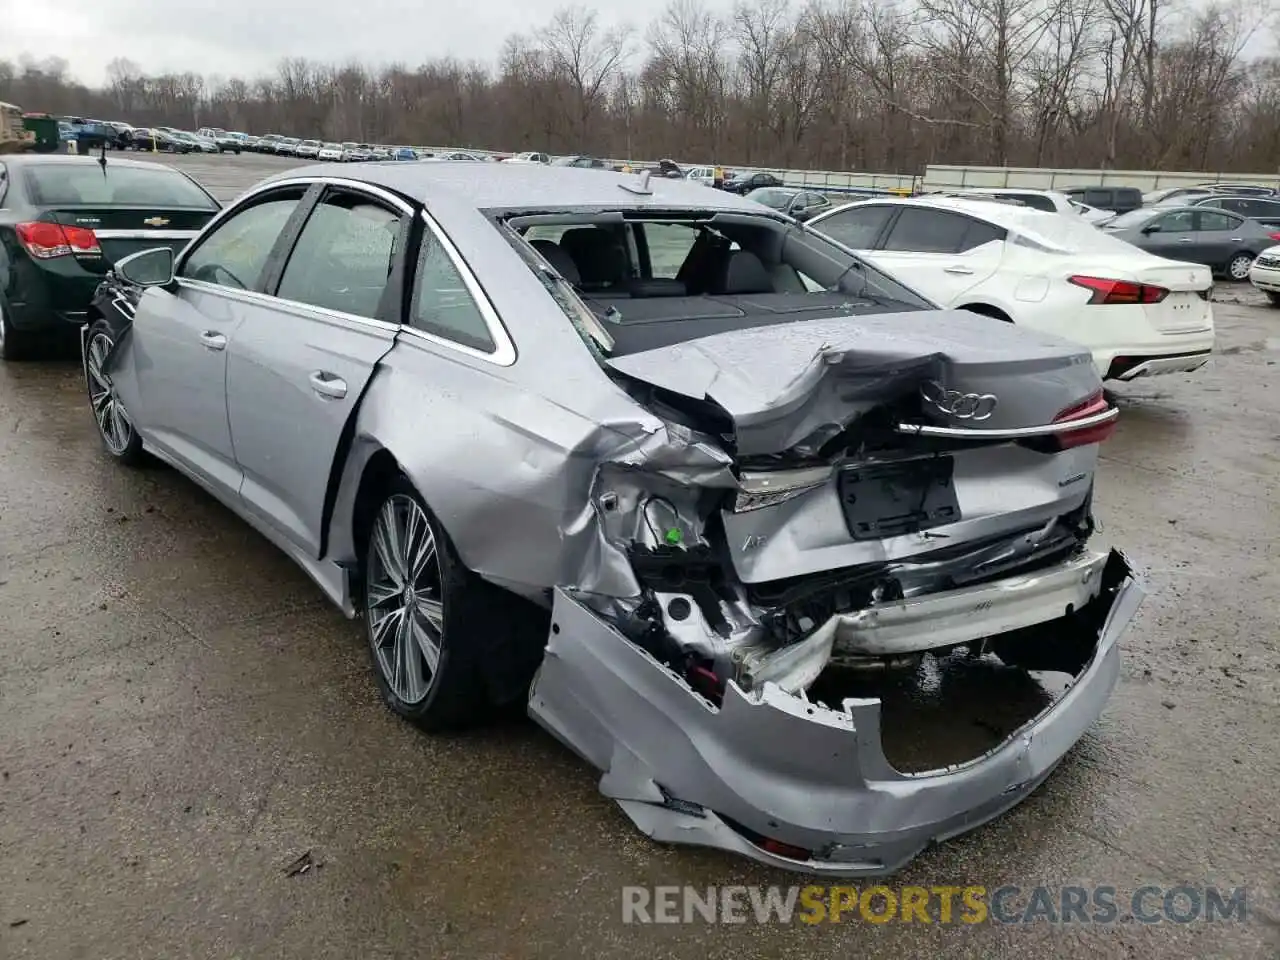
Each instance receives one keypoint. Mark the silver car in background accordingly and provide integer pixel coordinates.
(654, 457)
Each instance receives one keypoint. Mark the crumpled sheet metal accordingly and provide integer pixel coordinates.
(781, 766)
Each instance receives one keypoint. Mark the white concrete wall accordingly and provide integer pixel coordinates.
(943, 177)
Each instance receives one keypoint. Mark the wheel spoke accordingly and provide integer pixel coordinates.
(414, 655)
(431, 612)
(119, 423)
(105, 422)
(385, 627)
(384, 545)
(378, 593)
(424, 552)
(428, 643)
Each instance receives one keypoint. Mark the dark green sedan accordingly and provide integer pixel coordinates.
(65, 220)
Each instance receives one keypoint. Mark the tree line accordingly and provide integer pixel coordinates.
(866, 85)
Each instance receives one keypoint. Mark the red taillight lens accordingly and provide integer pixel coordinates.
(1082, 436)
(1119, 291)
(1274, 236)
(45, 241)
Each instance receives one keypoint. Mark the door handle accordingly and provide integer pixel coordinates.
(327, 385)
(964, 271)
(1237, 239)
(213, 340)
(1184, 240)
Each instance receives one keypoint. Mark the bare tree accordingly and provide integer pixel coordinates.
(585, 55)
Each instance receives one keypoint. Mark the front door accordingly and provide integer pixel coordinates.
(181, 339)
(1175, 236)
(296, 372)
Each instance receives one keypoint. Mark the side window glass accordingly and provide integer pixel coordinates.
(1179, 222)
(236, 252)
(342, 260)
(442, 304)
(1037, 202)
(1098, 198)
(980, 232)
(1214, 221)
(928, 231)
(858, 227)
(669, 245)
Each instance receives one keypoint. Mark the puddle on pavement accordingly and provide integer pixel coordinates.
(949, 709)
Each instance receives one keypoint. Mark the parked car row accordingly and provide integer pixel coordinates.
(353, 366)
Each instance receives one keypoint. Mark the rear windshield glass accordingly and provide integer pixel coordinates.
(1069, 235)
(56, 184)
(1133, 218)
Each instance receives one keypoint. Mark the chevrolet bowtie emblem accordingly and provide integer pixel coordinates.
(155, 221)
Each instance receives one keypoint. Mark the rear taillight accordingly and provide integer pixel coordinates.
(1088, 432)
(1119, 291)
(47, 241)
(1274, 236)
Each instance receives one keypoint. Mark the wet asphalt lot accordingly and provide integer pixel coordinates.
(182, 715)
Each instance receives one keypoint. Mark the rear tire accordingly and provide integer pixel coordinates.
(1274, 298)
(424, 615)
(15, 344)
(1238, 266)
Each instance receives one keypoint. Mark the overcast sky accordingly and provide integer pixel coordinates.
(246, 37)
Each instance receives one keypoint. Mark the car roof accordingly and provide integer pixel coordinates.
(1007, 215)
(503, 186)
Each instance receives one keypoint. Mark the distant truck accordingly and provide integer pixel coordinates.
(89, 134)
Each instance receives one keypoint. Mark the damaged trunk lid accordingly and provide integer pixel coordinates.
(796, 386)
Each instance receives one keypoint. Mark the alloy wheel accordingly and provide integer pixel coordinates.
(404, 598)
(1239, 267)
(113, 422)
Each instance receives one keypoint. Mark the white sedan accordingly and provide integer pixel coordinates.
(1138, 314)
(1264, 273)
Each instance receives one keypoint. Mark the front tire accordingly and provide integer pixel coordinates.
(421, 611)
(1274, 298)
(1238, 266)
(115, 427)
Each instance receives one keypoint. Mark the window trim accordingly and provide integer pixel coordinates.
(246, 202)
(504, 352)
(967, 218)
(280, 259)
(1237, 221)
(894, 211)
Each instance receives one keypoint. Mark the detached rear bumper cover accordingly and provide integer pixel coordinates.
(779, 766)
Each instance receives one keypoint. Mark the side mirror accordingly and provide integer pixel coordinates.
(796, 203)
(147, 268)
(1151, 228)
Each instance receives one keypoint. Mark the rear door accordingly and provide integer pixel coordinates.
(1217, 236)
(296, 372)
(942, 253)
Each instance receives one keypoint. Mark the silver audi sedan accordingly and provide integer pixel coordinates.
(657, 460)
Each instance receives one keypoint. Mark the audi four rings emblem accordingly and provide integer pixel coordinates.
(962, 406)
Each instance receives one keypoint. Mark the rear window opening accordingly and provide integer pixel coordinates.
(115, 185)
(651, 279)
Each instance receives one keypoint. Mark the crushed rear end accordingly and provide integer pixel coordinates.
(829, 500)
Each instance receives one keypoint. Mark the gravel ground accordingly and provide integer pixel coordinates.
(183, 717)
